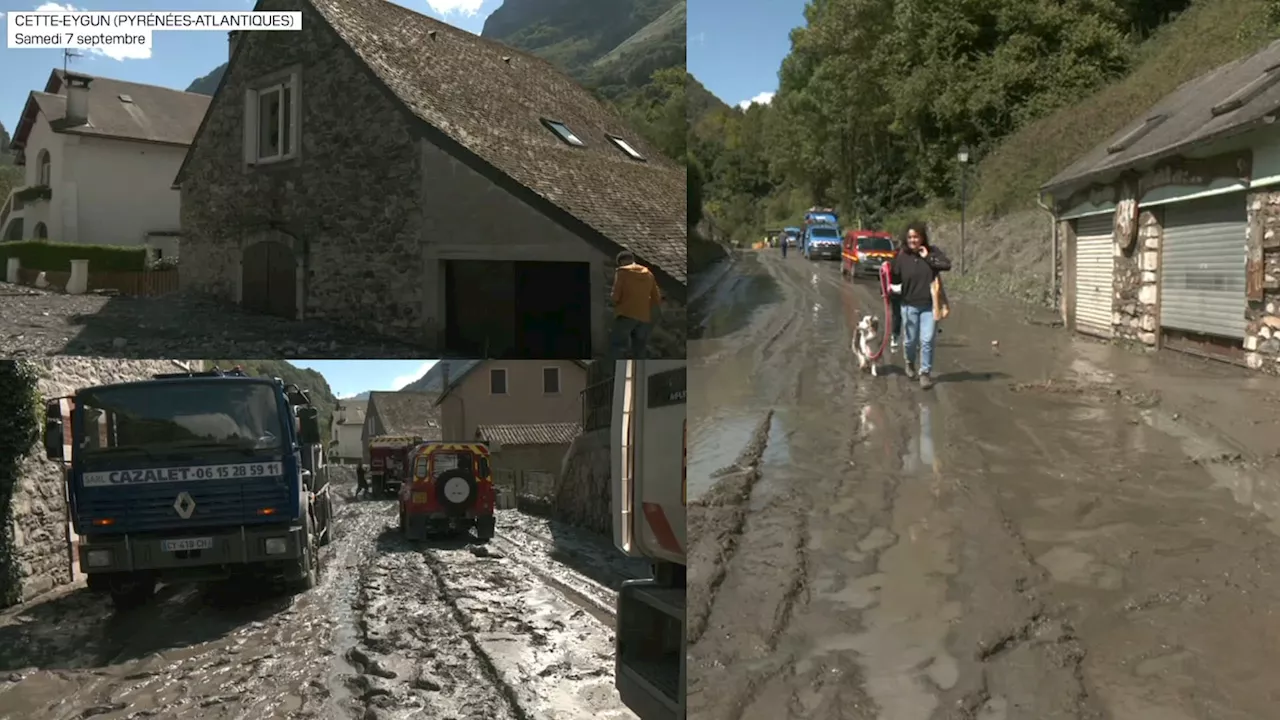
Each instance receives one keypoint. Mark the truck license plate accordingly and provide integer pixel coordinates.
(421, 498)
(187, 544)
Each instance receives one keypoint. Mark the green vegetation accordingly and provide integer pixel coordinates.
(310, 380)
(877, 96)
(19, 432)
(57, 257)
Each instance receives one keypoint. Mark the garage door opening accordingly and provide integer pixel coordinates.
(1095, 275)
(1203, 261)
(518, 309)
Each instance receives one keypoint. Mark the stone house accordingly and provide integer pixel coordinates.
(1168, 233)
(38, 547)
(389, 172)
(346, 430)
(399, 413)
(530, 409)
(99, 157)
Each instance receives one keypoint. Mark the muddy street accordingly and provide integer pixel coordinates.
(1058, 529)
(515, 629)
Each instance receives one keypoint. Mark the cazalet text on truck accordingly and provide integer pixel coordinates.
(192, 476)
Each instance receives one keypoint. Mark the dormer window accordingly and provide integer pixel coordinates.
(625, 147)
(563, 132)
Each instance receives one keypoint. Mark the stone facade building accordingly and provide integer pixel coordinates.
(37, 544)
(401, 176)
(1167, 232)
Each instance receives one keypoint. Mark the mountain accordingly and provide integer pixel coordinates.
(5, 157)
(208, 84)
(433, 381)
(573, 34)
(699, 101)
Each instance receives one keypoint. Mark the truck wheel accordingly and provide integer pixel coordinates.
(484, 529)
(402, 525)
(311, 575)
(133, 594)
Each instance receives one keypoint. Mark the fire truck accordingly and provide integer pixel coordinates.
(648, 498)
(389, 462)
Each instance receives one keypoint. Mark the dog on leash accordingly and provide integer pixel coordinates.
(866, 343)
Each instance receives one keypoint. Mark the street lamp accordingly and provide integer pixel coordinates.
(963, 157)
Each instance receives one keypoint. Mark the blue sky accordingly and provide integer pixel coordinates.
(736, 47)
(176, 58)
(352, 377)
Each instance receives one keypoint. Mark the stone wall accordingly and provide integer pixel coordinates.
(584, 495)
(1262, 338)
(34, 529)
(348, 205)
(1136, 313)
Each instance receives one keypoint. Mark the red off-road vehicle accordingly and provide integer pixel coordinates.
(450, 490)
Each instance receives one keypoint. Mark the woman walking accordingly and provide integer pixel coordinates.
(912, 273)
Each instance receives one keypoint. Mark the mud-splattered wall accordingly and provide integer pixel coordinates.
(35, 547)
(1262, 334)
(583, 497)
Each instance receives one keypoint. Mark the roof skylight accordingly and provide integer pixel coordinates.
(125, 98)
(563, 132)
(625, 147)
(1248, 93)
(1133, 136)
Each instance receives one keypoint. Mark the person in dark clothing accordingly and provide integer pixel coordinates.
(361, 485)
(913, 271)
(782, 240)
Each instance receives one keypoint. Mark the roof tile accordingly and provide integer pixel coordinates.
(538, 434)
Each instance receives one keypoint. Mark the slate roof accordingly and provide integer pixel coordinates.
(1189, 118)
(156, 114)
(538, 434)
(460, 84)
(406, 413)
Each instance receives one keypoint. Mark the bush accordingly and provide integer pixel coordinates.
(57, 257)
(19, 432)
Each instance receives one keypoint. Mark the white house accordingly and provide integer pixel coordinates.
(347, 428)
(100, 156)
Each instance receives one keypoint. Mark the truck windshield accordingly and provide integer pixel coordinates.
(152, 418)
(824, 233)
(875, 244)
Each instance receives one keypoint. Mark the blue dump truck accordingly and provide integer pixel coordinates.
(190, 477)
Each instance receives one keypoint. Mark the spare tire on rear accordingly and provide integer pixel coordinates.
(456, 489)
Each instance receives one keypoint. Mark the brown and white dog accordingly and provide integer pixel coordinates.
(866, 343)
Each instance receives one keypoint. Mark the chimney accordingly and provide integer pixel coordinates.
(77, 99)
(231, 44)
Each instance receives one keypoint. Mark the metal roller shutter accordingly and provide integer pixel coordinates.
(1095, 274)
(1202, 266)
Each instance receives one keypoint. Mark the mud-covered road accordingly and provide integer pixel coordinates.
(1058, 529)
(520, 628)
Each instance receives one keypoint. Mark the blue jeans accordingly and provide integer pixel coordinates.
(918, 327)
(630, 338)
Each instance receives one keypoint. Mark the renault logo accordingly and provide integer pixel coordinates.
(184, 505)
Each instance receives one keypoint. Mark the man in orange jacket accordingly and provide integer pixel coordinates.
(635, 298)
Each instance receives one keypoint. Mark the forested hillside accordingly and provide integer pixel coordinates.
(877, 96)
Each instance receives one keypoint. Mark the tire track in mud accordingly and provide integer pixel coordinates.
(452, 630)
(723, 512)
